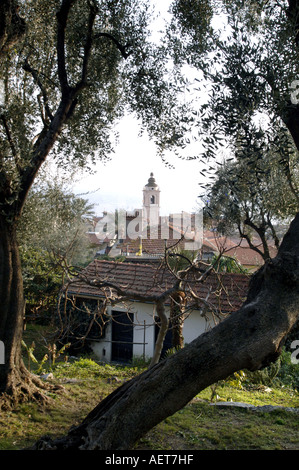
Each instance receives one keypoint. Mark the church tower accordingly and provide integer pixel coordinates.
(151, 201)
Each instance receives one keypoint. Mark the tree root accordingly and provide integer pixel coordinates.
(29, 388)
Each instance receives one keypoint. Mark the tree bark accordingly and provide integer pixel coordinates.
(163, 327)
(290, 116)
(16, 382)
(177, 319)
(251, 338)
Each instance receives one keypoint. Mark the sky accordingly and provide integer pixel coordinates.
(118, 184)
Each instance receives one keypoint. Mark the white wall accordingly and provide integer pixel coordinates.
(144, 330)
(195, 325)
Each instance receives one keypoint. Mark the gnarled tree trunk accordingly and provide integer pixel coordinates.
(250, 338)
(16, 383)
(163, 327)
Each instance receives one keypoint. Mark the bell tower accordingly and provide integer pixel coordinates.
(151, 201)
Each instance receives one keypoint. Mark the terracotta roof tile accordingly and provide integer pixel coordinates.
(226, 291)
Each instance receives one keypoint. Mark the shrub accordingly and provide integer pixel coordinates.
(288, 373)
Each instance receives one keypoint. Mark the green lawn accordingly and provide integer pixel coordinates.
(199, 426)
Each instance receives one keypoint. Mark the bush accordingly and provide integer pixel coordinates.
(81, 368)
(288, 373)
(265, 376)
(282, 373)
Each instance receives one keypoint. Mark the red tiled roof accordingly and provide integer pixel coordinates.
(155, 245)
(154, 236)
(150, 246)
(237, 248)
(225, 291)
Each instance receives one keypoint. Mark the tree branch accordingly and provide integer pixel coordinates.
(37, 80)
(163, 327)
(251, 245)
(9, 137)
(273, 231)
(123, 292)
(62, 17)
(261, 231)
(120, 47)
(88, 43)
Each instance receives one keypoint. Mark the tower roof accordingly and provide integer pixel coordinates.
(151, 181)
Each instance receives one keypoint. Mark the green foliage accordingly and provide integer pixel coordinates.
(179, 259)
(246, 115)
(51, 357)
(30, 355)
(101, 58)
(254, 196)
(78, 320)
(42, 281)
(171, 351)
(237, 379)
(52, 238)
(54, 219)
(189, 32)
(227, 264)
(265, 376)
(140, 362)
(281, 373)
(251, 192)
(55, 353)
(86, 367)
(83, 367)
(288, 374)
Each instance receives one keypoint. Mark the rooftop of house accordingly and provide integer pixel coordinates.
(225, 292)
(178, 233)
(211, 243)
(237, 248)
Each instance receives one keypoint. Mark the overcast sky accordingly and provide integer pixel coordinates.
(119, 183)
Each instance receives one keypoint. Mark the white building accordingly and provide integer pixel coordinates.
(128, 328)
(151, 202)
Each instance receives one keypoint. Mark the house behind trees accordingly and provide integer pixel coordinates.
(119, 329)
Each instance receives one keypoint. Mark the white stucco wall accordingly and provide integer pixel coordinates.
(144, 330)
(195, 325)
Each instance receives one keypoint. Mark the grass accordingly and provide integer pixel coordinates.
(199, 426)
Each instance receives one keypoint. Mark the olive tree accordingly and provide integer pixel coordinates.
(251, 197)
(251, 337)
(252, 75)
(52, 240)
(69, 73)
